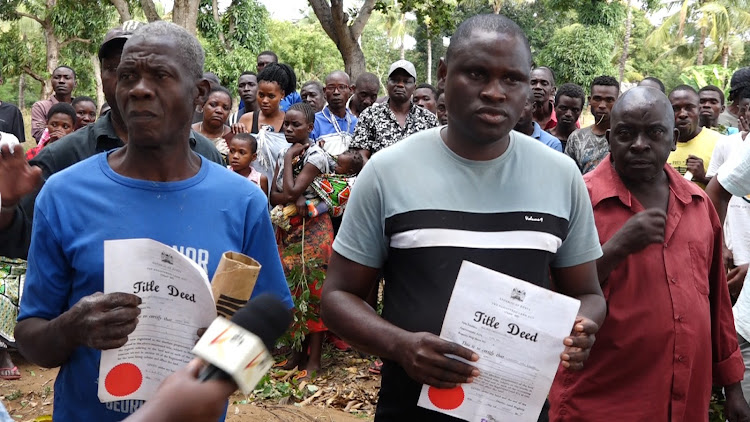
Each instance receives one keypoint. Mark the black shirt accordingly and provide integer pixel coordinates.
(55, 157)
(11, 121)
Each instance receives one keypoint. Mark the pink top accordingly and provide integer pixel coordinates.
(254, 175)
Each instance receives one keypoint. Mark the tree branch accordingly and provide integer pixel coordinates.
(150, 10)
(26, 15)
(323, 12)
(122, 9)
(364, 15)
(34, 75)
(70, 40)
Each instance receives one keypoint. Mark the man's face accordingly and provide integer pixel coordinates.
(641, 137)
(364, 96)
(602, 99)
(156, 96)
(424, 97)
(312, 96)
(568, 110)
(486, 86)
(109, 65)
(337, 91)
(400, 86)
(710, 107)
(63, 81)
(527, 115)
(541, 85)
(442, 114)
(685, 104)
(247, 87)
(264, 61)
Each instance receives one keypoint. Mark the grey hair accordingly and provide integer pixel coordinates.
(189, 50)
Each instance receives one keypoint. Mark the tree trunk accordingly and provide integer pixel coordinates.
(701, 48)
(185, 14)
(725, 55)
(626, 42)
(215, 10)
(150, 10)
(403, 36)
(53, 56)
(429, 58)
(346, 37)
(98, 78)
(122, 9)
(21, 89)
(497, 5)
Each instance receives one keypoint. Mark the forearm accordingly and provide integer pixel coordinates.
(612, 255)
(593, 307)
(355, 321)
(719, 197)
(45, 343)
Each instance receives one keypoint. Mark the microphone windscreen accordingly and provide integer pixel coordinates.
(266, 317)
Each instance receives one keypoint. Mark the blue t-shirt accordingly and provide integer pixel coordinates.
(290, 99)
(546, 138)
(79, 208)
(324, 123)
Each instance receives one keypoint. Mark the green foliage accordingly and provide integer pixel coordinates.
(700, 76)
(306, 48)
(377, 48)
(579, 53)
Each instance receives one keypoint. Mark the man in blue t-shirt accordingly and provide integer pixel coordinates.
(154, 187)
(528, 126)
(335, 118)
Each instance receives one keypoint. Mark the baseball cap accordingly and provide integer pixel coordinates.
(406, 65)
(118, 36)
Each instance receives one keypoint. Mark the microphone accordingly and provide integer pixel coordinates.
(238, 350)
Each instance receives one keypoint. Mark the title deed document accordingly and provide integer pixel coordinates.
(517, 329)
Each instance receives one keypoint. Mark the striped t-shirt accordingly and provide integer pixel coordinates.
(418, 210)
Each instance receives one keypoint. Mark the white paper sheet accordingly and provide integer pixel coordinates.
(517, 329)
(177, 301)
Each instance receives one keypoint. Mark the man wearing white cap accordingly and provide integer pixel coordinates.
(383, 124)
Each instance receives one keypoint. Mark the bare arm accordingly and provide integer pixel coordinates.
(294, 187)
(719, 197)
(264, 183)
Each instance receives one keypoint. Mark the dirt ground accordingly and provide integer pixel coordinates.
(343, 392)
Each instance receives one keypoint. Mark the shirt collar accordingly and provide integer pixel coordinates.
(537, 133)
(604, 183)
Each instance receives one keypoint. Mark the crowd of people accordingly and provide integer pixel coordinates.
(642, 216)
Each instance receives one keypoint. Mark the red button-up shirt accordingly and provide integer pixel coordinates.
(669, 331)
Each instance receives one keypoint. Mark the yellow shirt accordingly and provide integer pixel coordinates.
(702, 146)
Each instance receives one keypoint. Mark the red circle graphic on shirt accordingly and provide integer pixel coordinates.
(123, 379)
(446, 398)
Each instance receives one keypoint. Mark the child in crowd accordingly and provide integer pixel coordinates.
(349, 163)
(85, 108)
(243, 150)
(61, 120)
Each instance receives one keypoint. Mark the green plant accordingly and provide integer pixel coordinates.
(15, 394)
(700, 76)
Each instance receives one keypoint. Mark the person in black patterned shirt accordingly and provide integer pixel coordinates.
(383, 124)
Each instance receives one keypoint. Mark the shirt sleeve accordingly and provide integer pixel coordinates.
(18, 128)
(364, 132)
(318, 158)
(361, 237)
(718, 156)
(571, 148)
(38, 120)
(582, 243)
(48, 277)
(734, 175)
(260, 244)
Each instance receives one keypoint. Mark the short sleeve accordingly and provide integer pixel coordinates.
(571, 148)
(734, 175)
(361, 237)
(720, 154)
(319, 159)
(582, 243)
(260, 244)
(48, 275)
(363, 138)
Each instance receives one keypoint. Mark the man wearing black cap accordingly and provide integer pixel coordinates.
(20, 182)
(383, 124)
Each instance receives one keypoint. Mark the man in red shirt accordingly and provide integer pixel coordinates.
(669, 332)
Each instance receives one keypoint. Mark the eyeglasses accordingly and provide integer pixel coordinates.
(341, 88)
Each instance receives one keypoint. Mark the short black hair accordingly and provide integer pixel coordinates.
(219, 88)
(82, 99)
(250, 139)
(713, 88)
(572, 91)
(305, 109)
(683, 87)
(269, 53)
(740, 80)
(248, 72)
(66, 67)
(657, 81)
(62, 108)
(487, 22)
(357, 161)
(430, 87)
(605, 80)
(282, 74)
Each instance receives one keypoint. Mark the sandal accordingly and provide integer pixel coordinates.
(302, 375)
(10, 374)
(280, 364)
(375, 367)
